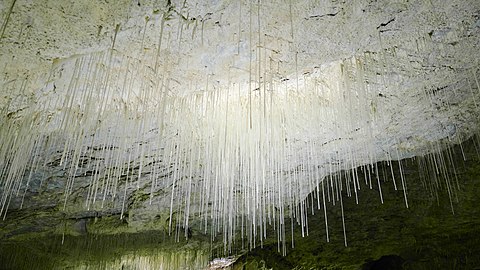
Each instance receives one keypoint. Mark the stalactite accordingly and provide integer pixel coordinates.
(239, 156)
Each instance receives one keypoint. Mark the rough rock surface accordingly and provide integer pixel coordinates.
(169, 115)
(427, 235)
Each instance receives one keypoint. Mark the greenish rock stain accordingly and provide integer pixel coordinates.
(426, 235)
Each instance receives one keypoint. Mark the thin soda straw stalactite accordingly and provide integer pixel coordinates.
(6, 20)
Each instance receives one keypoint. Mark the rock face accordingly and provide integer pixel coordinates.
(430, 234)
(219, 119)
(427, 235)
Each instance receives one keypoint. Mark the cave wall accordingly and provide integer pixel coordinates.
(427, 235)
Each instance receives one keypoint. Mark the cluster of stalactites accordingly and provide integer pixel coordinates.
(239, 156)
